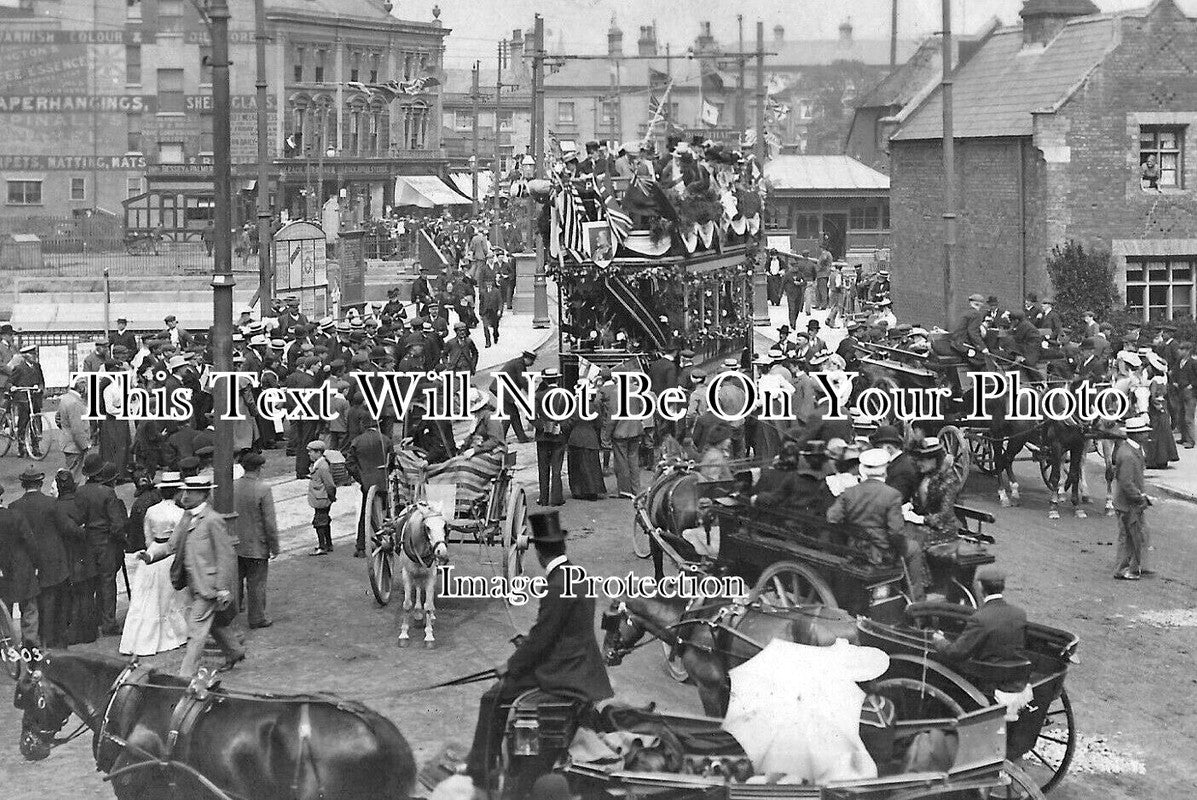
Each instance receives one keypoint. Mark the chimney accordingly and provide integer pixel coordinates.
(779, 34)
(1043, 19)
(705, 42)
(614, 39)
(515, 50)
(646, 45)
(846, 32)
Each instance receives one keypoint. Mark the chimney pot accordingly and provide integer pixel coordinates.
(846, 31)
(1043, 19)
(779, 33)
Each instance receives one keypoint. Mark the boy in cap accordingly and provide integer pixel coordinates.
(322, 493)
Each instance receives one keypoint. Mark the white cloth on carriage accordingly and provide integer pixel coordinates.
(1014, 702)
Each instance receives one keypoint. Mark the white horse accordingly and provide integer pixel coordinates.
(422, 548)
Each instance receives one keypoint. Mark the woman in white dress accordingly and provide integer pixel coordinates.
(156, 621)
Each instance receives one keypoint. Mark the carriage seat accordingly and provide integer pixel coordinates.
(552, 718)
(1008, 675)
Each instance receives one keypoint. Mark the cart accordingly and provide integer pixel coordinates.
(495, 515)
(1043, 736)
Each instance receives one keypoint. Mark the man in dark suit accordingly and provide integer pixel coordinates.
(559, 656)
(901, 473)
(123, 336)
(515, 369)
(256, 530)
(103, 516)
(793, 286)
(995, 632)
(461, 354)
(1091, 366)
(18, 571)
(1028, 341)
(300, 432)
(52, 529)
(1130, 499)
(1184, 381)
(550, 442)
(1051, 321)
(366, 459)
(969, 331)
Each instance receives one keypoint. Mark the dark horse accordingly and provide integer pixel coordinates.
(1065, 440)
(219, 744)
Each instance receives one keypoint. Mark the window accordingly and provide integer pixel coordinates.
(1162, 148)
(24, 193)
(565, 112)
(609, 113)
(133, 63)
(320, 56)
(170, 91)
(133, 137)
(355, 66)
(506, 120)
(133, 9)
(375, 59)
(415, 127)
(205, 64)
(132, 187)
(298, 68)
(671, 109)
(205, 141)
(408, 65)
(885, 215)
(864, 217)
(170, 16)
(1159, 289)
(170, 153)
(806, 226)
(463, 120)
(355, 125)
(78, 188)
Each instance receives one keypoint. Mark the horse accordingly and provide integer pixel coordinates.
(1065, 439)
(670, 504)
(709, 636)
(422, 549)
(158, 735)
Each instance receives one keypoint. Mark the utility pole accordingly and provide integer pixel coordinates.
(474, 96)
(893, 34)
(494, 180)
(265, 280)
(740, 104)
(760, 306)
(951, 307)
(540, 291)
(222, 280)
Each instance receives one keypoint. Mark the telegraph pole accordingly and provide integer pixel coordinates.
(760, 307)
(265, 281)
(540, 291)
(740, 110)
(494, 228)
(222, 280)
(893, 34)
(474, 96)
(951, 307)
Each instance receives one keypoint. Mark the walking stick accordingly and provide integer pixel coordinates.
(125, 573)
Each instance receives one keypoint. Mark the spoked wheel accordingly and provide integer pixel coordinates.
(641, 539)
(1049, 758)
(959, 593)
(37, 441)
(917, 699)
(1021, 786)
(515, 532)
(6, 432)
(981, 454)
(382, 546)
(954, 443)
(788, 584)
(10, 644)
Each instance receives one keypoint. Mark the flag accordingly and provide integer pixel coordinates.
(712, 82)
(710, 113)
(617, 219)
(779, 111)
(657, 80)
(654, 104)
(571, 216)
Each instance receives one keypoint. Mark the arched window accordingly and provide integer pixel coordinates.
(355, 119)
(376, 135)
(415, 126)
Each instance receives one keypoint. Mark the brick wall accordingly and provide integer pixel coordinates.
(991, 175)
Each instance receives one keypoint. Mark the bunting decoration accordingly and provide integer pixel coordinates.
(391, 90)
(658, 113)
(617, 219)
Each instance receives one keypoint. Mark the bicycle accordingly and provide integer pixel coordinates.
(35, 441)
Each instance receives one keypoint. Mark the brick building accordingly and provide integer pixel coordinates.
(106, 104)
(1054, 119)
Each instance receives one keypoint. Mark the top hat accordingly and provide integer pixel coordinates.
(546, 527)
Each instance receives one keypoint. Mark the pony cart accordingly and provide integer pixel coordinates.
(1042, 735)
(478, 497)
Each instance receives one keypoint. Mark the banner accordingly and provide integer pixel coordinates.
(710, 113)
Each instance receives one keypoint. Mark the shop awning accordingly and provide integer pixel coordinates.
(426, 191)
(464, 182)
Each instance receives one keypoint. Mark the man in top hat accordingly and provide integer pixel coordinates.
(1183, 380)
(203, 550)
(515, 369)
(256, 530)
(52, 529)
(1130, 499)
(996, 631)
(559, 656)
(103, 516)
(366, 458)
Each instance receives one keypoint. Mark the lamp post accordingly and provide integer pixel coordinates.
(540, 287)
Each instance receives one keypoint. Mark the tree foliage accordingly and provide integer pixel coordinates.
(1083, 280)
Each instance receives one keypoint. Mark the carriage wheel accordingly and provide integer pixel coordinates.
(380, 563)
(956, 446)
(788, 584)
(1021, 785)
(10, 644)
(673, 664)
(641, 539)
(514, 527)
(1048, 760)
(981, 454)
(962, 594)
(917, 699)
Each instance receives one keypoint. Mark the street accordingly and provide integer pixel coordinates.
(1133, 691)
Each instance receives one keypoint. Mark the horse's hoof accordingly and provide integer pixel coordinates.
(1109, 512)
(404, 642)
(429, 645)
(1080, 513)
(1086, 499)
(1053, 514)
(1004, 502)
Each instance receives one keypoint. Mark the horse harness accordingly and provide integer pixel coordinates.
(427, 559)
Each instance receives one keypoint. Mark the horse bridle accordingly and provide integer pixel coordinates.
(441, 547)
(716, 623)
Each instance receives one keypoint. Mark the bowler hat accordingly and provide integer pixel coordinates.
(252, 460)
(546, 527)
(92, 463)
(32, 475)
(886, 434)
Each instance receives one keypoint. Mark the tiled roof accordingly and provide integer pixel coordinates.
(900, 86)
(822, 173)
(994, 93)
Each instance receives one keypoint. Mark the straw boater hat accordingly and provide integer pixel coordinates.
(169, 480)
(478, 400)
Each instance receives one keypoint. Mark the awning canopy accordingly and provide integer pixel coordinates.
(464, 181)
(426, 191)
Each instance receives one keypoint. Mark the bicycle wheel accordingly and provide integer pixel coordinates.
(6, 432)
(37, 440)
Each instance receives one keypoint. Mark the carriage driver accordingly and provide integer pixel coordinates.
(560, 655)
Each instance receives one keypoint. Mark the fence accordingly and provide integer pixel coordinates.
(389, 247)
(75, 257)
